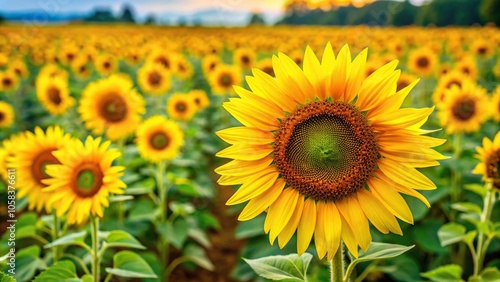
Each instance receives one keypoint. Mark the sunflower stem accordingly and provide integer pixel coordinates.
(457, 151)
(337, 265)
(121, 162)
(482, 247)
(94, 230)
(162, 194)
(55, 235)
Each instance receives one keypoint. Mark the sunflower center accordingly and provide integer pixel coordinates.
(269, 70)
(453, 82)
(87, 179)
(154, 78)
(180, 107)
(493, 168)
(159, 141)
(182, 68)
(2, 116)
(113, 108)
(211, 66)
(197, 101)
(401, 84)
(18, 71)
(107, 65)
(70, 56)
(481, 50)
(423, 62)
(226, 80)
(54, 95)
(39, 166)
(464, 109)
(82, 69)
(6, 82)
(326, 150)
(245, 60)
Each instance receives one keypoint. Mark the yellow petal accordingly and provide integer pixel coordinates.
(391, 199)
(245, 152)
(404, 175)
(349, 238)
(378, 215)
(287, 232)
(245, 135)
(329, 222)
(280, 212)
(356, 76)
(306, 226)
(252, 189)
(240, 168)
(314, 73)
(370, 93)
(247, 118)
(352, 212)
(340, 73)
(263, 201)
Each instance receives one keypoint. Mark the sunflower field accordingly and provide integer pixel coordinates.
(142, 153)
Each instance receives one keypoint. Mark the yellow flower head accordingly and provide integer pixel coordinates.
(325, 151)
(489, 155)
(111, 105)
(200, 98)
(223, 78)
(154, 79)
(6, 114)
(33, 154)
(84, 178)
(53, 93)
(181, 107)
(159, 139)
(422, 61)
(9, 81)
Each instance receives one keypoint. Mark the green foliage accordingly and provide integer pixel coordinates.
(283, 268)
(63, 271)
(445, 273)
(130, 265)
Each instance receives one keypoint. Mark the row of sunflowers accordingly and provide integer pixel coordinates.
(114, 137)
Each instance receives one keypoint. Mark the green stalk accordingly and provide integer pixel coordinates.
(121, 162)
(96, 260)
(337, 265)
(55, 235)
(162, 194)
(482, 247)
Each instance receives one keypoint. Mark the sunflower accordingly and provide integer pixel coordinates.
(325, 150)
(495, 102)
(200, 98)
(489, 155)
(4, 59)
(422, 61)
(161, 57)
(482, 48)
(68, 54)
(33, 154)
(445, 82)
(464, 109)
(209, 63)
(244, 57)
(467, 65)
(6, 114)
(266, 65)
(53, 93)
(111, 105)
(80, 67)
(223, 78)
(52, 70)
(154, 79)
(84, 179)
(133, 56)
(181, 107)
(9, 150)
(183, 68)
(159, 139)
(19, 68)
(106, 64)
(9, 81)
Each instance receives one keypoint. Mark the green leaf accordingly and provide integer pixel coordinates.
(120, 198)
(25, 231)
(476, 188)
(381, 251)
(6, 278)
(188, 189)
(469, 237)
(181, 209)
(175, 233)
(451, 233)
(27, 219)
(198, 256)
(120, 238)
(486, 227)
(291, 267)
(62, 271)
(129, 264)
(446, 273)
(71, 239)
(87, 278)
(490, 274)
(199, 236)
(467, 207)
(27, 263)
(251, 228)
(142, 210)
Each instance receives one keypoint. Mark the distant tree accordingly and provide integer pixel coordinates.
(489, 11)
(257, 19)
(127, 15)
(150, 20)
(1, 19)
(101, 15)
(197, 22)
(182, 21)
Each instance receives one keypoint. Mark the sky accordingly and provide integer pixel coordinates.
(222, 11)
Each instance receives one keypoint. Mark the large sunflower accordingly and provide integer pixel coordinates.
(489, 155)
(325, 150)
(6, 114)
(53, 93)
(181, 107)
(153, 79)
(159, 139)
(84, 179)
(113, 106)
(33, 154)
(464, 109)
